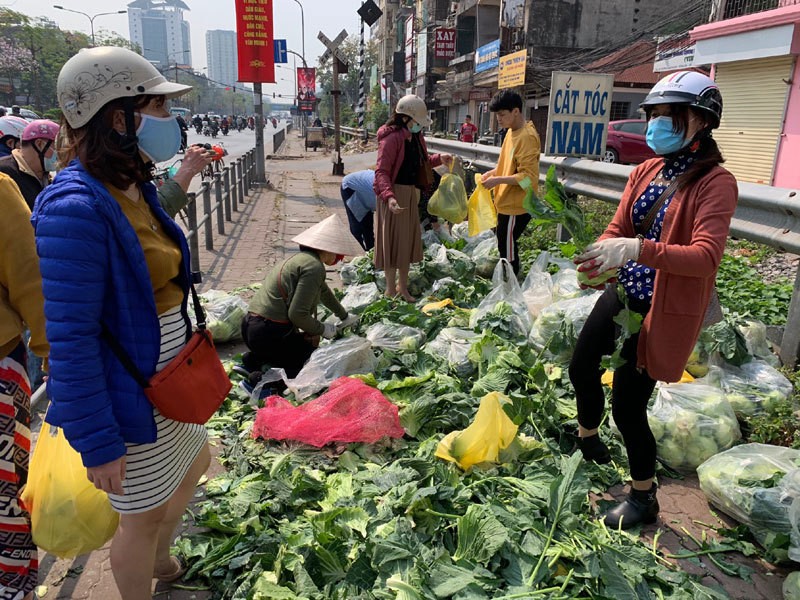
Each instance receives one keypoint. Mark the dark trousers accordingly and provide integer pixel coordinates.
(362, 230)
(631, 390)
(509, 228)
(278, 345)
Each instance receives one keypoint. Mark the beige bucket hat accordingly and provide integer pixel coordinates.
(331, 235)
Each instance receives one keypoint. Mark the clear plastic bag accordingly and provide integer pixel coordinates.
(558, 325)
(790, 486)
(449, 201)
(445, 262)
(224, 314)
(486, 255)
(481, 210)
(429, 238)
(359, 270)
(349, 356)
(399, 338)
(565, 284)
(473, 242)
(453, 345)
(691, 423)
(755, 336)
(460, 231)
(359, 297)
(747, 483)
(69, 516)
(504, 303)
(538, 286)
(752, 388)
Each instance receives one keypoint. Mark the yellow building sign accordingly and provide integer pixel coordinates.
(512, 69)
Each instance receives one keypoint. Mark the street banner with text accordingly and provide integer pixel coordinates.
(580, 105)
(306, 89)
(487, 56)
(512, 69)
(254, 41)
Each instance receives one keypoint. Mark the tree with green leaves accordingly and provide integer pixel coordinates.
(348, 83)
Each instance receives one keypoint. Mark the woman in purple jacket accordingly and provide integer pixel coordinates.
(402, 169)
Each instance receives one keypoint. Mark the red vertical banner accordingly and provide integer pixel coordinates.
(255, 42)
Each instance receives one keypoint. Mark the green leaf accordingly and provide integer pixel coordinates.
(614, 583)
(480, 535)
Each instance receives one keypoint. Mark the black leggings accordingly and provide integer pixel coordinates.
(278, 345)
(509, 228)
(631, 390)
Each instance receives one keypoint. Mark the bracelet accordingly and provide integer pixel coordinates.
(640, 237)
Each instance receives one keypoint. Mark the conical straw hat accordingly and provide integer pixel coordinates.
(331, 235)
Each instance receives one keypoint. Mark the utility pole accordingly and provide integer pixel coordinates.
(338, 165)
(261, 175)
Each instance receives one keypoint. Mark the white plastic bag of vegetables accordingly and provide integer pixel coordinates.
(556, 328)
(746, 482)
(453, 345)
(359, 297)
(392, 336)
(486, 255)
(755, 337)
(790, 486)
(751, 388)
(446, 262)
(504, 308)
(691, 423)
(349, 356)
(538, 285)
(224, 314)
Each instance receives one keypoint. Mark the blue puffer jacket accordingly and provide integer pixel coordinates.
(94, 270)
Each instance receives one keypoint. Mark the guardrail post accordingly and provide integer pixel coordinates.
(194, 244)
(242, 183)
(218, 204)
(226, 193)
(234, 188)
(209, 231)
(790, 342)
(246, 172)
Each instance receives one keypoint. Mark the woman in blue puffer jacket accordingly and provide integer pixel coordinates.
(111, 258)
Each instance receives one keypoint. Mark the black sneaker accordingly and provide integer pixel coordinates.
(641, 506)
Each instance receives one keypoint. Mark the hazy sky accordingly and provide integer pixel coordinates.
(329, 16)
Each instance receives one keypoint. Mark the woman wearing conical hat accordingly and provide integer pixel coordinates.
(281, 328)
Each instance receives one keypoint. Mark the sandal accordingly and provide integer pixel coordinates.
(180, 570)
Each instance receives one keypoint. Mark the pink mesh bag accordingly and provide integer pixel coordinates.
(350, 411)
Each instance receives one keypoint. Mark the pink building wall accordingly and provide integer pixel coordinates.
(787, 162)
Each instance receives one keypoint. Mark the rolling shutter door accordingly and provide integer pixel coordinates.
(754, 100)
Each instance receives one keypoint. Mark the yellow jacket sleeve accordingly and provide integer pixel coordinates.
(21, 298)
(527, 157)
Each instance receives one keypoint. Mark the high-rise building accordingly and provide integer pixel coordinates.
(222, 56)
(158, 27)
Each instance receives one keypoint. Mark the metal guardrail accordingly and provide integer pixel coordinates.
(765, 214)
(230, 188)
(350, 132)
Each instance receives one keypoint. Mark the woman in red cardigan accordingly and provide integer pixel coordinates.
(665, 243)
(403, 168)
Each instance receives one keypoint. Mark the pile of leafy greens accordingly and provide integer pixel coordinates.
(392, 521)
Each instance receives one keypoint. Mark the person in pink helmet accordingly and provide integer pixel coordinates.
(30, 164)
(11, 129)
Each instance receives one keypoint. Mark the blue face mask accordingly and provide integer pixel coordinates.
(662, 139)
(159, 137)
(51, 162)
(415, 128)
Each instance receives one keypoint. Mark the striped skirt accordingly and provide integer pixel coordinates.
(19, 563)
(154, 471)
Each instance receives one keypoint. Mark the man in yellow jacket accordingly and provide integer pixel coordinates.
(516, 172)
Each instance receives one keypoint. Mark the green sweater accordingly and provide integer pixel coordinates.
(302, 280)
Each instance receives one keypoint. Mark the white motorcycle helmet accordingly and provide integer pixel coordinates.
(96, 76)
(12, 126)
(688, 87)
(414, 107)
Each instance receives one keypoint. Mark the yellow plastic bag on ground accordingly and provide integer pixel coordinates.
(69, 516)
(481, 211)
(449, 201)
(490, 432)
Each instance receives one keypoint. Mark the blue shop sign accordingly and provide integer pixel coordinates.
(487, 57)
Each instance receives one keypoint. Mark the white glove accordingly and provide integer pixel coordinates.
(349, 321)
(608, 254)
(329, 332)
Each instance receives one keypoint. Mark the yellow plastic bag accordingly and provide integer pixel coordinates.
(481, 211)
(490, 433)
(608, 378)
(69, 516)
(449, 201)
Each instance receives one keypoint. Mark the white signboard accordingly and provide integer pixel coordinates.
(422, 53)
(673, 57)
(580, 105)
